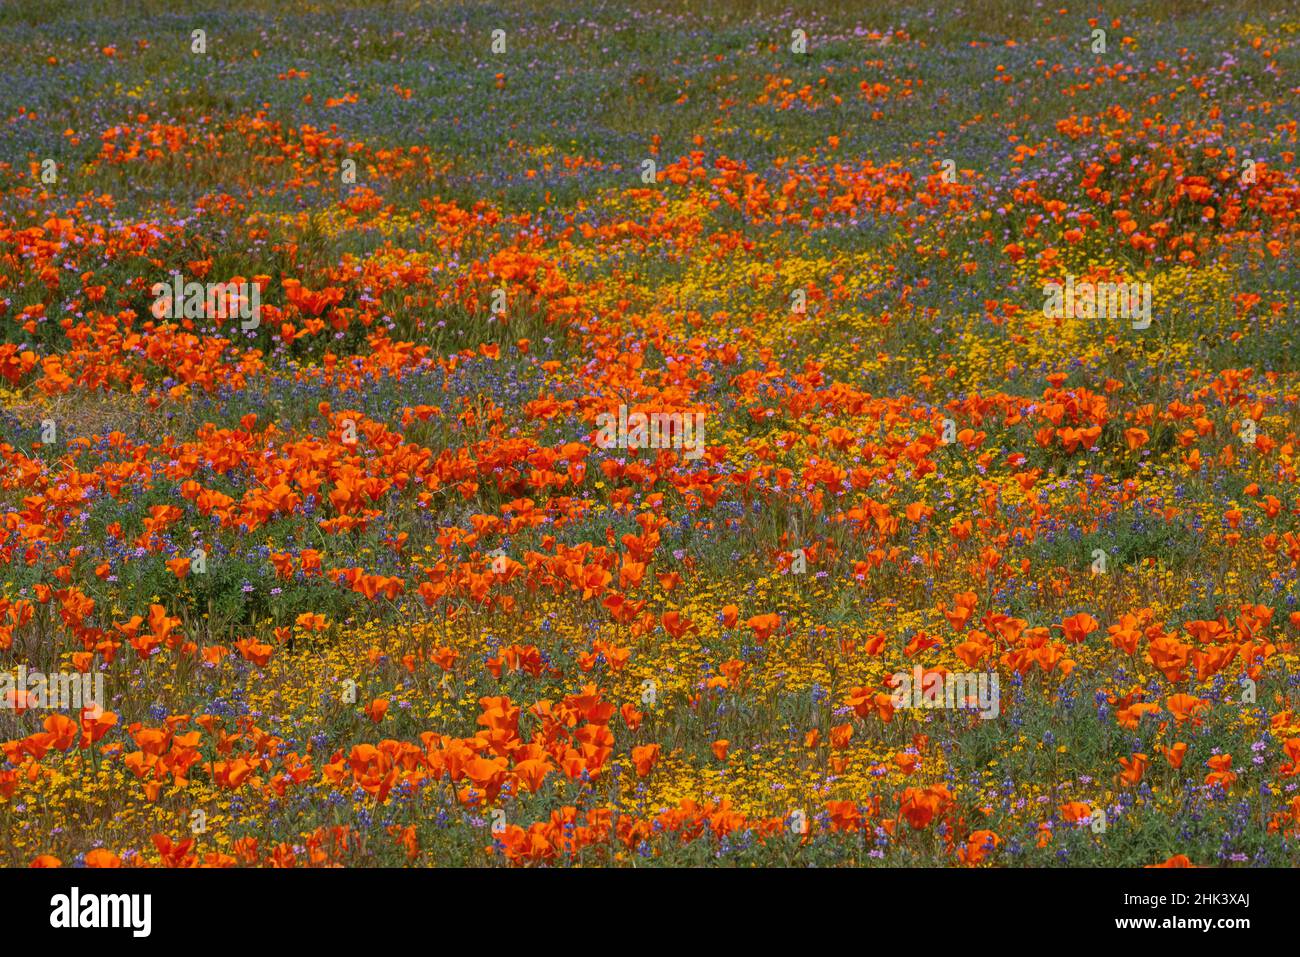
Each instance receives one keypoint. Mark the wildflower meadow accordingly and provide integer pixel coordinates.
(617, 435)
